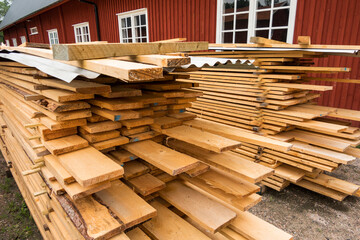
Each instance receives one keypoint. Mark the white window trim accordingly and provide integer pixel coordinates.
(83, 24)
(52, 31)
(7, 42)
(14, 40)
(132, 14)
(252, 22)
(34, 33)
(21, 39)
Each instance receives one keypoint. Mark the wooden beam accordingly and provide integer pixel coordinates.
(70, 52)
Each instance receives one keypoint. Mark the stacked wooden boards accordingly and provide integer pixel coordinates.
(273, 97)
(103, 159)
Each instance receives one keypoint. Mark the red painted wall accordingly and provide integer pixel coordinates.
(333, 22)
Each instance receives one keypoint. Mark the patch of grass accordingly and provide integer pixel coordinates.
(6, 186)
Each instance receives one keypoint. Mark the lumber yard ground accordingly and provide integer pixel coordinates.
(302, 213)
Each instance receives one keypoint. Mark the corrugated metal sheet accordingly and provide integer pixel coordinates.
(333, 22)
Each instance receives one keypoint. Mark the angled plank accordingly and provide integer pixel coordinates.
(65, 144)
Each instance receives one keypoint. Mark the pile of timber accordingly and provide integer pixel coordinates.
(273, 98)
(105, 159)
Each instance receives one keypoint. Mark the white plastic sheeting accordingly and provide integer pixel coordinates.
(200, 62)
(53, 68)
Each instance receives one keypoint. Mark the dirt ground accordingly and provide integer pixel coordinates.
(15, 219)
(311, 216)
(302, 213)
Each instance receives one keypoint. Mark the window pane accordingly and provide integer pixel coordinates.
(129, 40)
(128, 22)
(242, 21)
(124, 33)
(280, 17)
(242, 5)
(262, 19)
(144, 40)
(262, 33)
(281, 3)
(241, 37)
(228, 23)
(228, 37)
(143, 19)
(137, 32)
(137, 20)
(129, 33)
(123, 23)
(279, 34)
(228, 6)
(261, 4)
(143, 31)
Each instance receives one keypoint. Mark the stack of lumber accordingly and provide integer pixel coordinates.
(273, 98)
(104, 159)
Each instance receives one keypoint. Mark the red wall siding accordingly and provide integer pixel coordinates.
(333, 22)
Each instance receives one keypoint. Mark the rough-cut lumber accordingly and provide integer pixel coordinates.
(99, 223)
(101, 126)
(202, 139)
(238, 134)
(88, 166)
(334, 183)
(159, 60)
(210, 214)
(98, 137)
(117, 104)
(118, 91)
(290, 173)
(229, 162)
(137, 234)
(110, 143)
(322, 190)
(166, 159)
(65, 144)
(70, 52)
(134, 169)
(146, 184)
(127, 205)
(168, 225)
(115, 115)
(60, 173)
(255, 228)
(123, 155)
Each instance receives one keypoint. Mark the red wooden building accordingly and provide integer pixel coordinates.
(221, 21)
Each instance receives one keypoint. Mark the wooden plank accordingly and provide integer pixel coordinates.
(128, 206)
(208, 213)
(228, 162)
(166, 159)
(290, 173)
(255, 228)
(134, 169)
(123, 155)
(70, 52)
(238, 134)
(117, 103)
(133, 123)
(146, 184)
(60, 173)
(98, 137)
(335, 183)
(322, 190)
(76, 191)
(99, 223)
(165, 122)
(200, 169)
(115, 115)
(168, 225)
(158, 60)
(65, 144)
(202, 139)
(119, 91)
(137, 234)
(88, 166)
(101, 126)
(114, 142)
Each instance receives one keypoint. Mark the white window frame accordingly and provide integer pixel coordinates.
(14, 42)
(252, 20)
(23, 39)
(80, 26)
(7, 42)
(33, 31)
(132, 14)
(51, 32)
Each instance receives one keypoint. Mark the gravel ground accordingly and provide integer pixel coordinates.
(311, 216)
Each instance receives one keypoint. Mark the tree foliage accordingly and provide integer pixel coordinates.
(4, 6)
